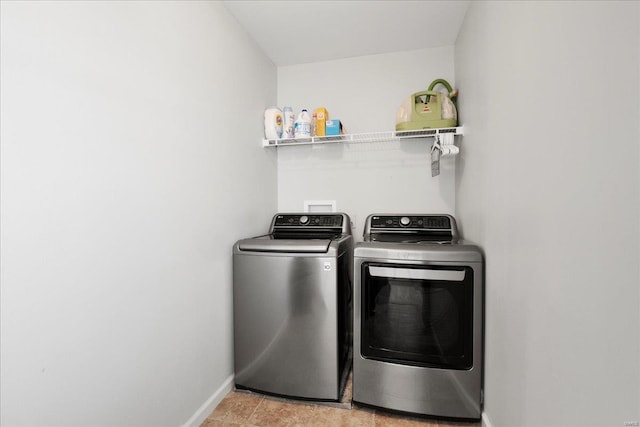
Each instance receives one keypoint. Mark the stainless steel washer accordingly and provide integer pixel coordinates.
(292, 298)
(418, 331)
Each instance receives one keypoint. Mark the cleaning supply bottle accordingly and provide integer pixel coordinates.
(273, 123)
(314, 124)
(303, 125)
(322, 115)
(289, 123)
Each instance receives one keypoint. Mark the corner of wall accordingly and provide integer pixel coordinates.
(486, 421)
(210, 404)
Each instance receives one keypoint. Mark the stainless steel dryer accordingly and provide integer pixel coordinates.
(292, 307)
(418, 317)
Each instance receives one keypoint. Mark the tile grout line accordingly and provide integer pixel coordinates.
(375, 414)
(255, 409)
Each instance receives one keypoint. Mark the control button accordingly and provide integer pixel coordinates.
(404, 221)
(304, 219)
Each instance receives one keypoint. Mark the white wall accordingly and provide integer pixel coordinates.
(364, 93)
(131, 162)
(549, 185)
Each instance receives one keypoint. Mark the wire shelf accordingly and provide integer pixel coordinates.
(363, 137)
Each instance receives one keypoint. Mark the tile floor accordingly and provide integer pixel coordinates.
(242, 408)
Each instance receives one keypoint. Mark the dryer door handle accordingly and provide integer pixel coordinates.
(417, 273)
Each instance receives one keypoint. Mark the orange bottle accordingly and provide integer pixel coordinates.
(323, 115)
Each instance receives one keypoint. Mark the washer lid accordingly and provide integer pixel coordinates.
(271, 243)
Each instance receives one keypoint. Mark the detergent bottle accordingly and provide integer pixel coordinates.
(273, 123)
(323, 115)
(303, 125)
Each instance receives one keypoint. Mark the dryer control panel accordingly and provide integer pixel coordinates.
(425, 226)
(422, 222)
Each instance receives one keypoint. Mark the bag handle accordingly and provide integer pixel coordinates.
(443, 82)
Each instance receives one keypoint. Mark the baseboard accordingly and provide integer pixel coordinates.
(207, 407)
(486, 422)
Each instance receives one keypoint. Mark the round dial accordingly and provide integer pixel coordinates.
(404, 221)
(304, 219)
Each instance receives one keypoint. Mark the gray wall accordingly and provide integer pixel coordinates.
(131, 162)
(548, 183)
(364, 93)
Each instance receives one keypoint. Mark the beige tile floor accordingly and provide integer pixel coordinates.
(241, 408)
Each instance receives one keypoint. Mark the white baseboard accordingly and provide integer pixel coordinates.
(486, 422)
(207, 407)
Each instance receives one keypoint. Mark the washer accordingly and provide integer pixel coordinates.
(293, 307)
(418, 317)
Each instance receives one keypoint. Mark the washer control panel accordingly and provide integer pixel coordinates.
(310, 220)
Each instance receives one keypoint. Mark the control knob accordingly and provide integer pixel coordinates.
(404, 221)
(304, 219)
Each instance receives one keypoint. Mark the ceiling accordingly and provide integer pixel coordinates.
(302, 31)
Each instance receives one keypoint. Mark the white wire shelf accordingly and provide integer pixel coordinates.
(363, 137)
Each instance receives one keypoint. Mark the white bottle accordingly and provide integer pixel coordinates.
(289, 123)
(273, 123)
(303, 125)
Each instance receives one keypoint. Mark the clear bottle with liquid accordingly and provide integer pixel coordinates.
(288, 125)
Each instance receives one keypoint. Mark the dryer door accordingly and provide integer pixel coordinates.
(418, 315)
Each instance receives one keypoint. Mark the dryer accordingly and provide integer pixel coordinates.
(418, 317)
